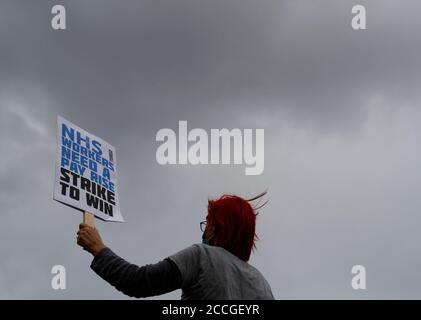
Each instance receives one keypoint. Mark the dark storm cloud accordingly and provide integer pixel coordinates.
(291, 58)
(295, 68)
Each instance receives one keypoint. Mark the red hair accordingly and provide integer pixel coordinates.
(234, 222)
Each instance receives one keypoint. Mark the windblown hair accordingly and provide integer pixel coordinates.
(234, 221)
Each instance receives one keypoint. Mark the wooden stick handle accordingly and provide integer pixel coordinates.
(89, 219)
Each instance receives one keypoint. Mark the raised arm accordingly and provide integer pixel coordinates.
(132, 280)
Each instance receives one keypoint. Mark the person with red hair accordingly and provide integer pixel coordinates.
(215, 269)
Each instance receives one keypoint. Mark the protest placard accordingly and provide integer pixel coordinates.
(86, 172)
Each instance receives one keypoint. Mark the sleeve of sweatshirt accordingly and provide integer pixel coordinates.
(135, 281)
(189, 262)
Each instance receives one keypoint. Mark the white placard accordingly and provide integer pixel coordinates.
(86, 172)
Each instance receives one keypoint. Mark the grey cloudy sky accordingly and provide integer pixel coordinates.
(340, 109)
